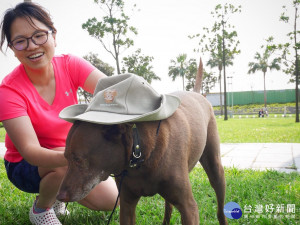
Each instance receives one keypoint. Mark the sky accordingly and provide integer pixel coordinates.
(163, 30)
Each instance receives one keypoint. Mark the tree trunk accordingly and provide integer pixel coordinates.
(221, 99)
(118, 64)
(265, 92)
(297, 70)
(225, 94)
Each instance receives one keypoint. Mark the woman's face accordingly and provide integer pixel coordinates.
(35, 57)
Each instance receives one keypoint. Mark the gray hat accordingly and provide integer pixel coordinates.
(120, 99)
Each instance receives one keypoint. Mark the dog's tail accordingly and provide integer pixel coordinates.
(199, 77)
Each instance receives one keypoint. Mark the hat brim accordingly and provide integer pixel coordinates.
(168, 106)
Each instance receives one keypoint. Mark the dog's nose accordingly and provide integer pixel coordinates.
(63, 196)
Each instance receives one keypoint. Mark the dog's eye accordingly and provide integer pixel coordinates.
(76, 160)
(80, 162)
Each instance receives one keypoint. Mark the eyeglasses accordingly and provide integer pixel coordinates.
(38, 38)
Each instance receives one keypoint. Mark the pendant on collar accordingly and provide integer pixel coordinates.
(135, 159)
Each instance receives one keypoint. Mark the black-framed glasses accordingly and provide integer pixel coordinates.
(38, 38)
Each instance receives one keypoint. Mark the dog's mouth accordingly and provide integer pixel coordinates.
(79, 191)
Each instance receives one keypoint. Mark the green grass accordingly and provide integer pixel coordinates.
(259, 130)
(245, 187)
(2, 133)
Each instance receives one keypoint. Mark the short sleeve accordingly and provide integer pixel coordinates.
(79, 69)
(12, 104)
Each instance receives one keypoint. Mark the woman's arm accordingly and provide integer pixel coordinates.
(92, 80)
(22, 134)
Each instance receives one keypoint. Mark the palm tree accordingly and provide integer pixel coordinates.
(262, 64)
(179, 68)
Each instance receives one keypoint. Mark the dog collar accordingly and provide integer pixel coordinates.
(136, 157)
(136, 160)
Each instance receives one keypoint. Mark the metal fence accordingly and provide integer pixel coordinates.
(253, 97)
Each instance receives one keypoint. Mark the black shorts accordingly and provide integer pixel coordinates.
(23, 175)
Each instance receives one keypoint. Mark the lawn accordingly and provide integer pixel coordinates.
(248, 188)
(259, 130)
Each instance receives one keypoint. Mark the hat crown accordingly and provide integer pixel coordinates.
(124, 94)
(121, 99)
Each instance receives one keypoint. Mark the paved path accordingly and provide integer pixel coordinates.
(284, 157)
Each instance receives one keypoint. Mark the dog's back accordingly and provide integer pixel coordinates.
(190, 125)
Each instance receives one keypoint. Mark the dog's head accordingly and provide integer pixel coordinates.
(93, 152)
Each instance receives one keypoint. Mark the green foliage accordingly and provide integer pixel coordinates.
(113, 27)
(220, 41)
(264, 62)
(191, 74)
(291, 61)
(285, 50)
(140, 65)
(179, 68)
(208, 80)
(213, 38)
(99, 64)
(245, 187)
(182, 67)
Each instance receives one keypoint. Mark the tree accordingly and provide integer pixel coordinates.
(263, 63)
(179, 67)
(220, 40)
(216, 61)
(191, 74)
(139, 65)
(208, 79)
(100, 65)
(292, 65)
(113, 27)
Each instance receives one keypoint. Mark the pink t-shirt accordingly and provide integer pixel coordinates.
(18, 97)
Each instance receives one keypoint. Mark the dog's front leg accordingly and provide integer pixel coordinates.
(127, 209)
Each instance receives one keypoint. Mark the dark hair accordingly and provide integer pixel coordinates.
(27, 10)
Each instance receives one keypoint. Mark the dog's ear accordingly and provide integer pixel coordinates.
(113, 132)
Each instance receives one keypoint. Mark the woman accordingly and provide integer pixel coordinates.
(31, 97)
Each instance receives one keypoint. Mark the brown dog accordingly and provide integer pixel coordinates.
(169, 151)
